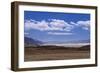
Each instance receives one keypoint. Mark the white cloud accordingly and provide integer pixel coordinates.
(61, 24)
(73, 23)
(85, 28)
(56, 24)
(59, 33)
(53, 24)
(26, 33)
(83, 24)
(32, 24)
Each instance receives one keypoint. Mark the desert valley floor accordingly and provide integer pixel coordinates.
(41, 53)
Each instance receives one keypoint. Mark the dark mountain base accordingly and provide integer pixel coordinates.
(41, 53)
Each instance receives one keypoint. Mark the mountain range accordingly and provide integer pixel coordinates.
(31, 41)
(76, 41)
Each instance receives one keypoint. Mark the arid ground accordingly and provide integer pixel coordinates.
(41, 53)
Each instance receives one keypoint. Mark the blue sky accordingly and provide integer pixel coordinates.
(55, 26)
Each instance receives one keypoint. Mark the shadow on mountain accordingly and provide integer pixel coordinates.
(31, 42)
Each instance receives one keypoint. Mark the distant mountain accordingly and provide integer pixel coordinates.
(80, 41)
(30, 41)
(76, 41)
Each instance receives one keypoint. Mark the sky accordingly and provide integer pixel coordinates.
(56, 26)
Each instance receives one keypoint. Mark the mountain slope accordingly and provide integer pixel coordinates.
(30, 41)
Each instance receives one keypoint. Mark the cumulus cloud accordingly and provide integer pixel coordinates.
(59, 33)
(57, 25)
(83, 24)
(61, 24)
(39, 25)
(53, 24)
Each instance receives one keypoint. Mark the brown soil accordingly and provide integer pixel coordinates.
(42, 53)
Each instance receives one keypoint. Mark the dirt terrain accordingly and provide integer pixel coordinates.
(41, 53)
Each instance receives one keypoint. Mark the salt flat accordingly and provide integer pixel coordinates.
(67, 44)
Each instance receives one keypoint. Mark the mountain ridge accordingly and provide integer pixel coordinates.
(31, 41)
